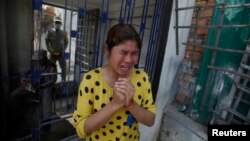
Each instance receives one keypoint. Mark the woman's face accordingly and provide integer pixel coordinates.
(123, 57)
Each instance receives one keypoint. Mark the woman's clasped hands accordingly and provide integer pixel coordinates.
(123, 92)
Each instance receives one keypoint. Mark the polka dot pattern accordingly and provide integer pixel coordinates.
(139, 96)
(92, 90)
(97, 94)
(97, 71)
(96, 97)
(88, 77)
(90, 102)
(80, 92)
(97, 83)
(86, 90)
(104, 91)
(139, 84)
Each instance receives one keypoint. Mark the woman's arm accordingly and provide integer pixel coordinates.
(97, 120)
(86, 121)
(141, 115)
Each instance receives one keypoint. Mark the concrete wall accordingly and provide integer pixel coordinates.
(178, 127)
(19, 26)
(16, 36)
(16, 40)
(171, 64)
(3, 70)
(3, 42)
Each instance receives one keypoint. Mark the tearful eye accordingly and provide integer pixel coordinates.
(135, 54)
(124, 52)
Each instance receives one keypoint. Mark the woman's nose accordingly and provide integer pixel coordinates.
(128, 58)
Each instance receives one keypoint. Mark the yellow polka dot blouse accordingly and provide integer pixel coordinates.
(94, 93)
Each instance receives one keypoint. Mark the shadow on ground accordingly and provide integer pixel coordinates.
(59, 131)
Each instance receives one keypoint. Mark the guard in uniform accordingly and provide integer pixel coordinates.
(56, 43)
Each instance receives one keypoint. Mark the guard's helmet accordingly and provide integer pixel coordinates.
(58, 19)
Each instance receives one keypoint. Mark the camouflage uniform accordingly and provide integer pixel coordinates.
(56, 43)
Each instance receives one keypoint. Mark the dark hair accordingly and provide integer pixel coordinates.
(120, 33)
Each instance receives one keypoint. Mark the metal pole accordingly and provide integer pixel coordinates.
(217, 48)
(176, 29)
(151, 43)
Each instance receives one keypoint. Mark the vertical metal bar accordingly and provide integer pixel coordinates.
(64, 25)
(78, 48)
(143, 19)
(143, 24)
(156, 37)
(176, 29)
(129, 9)
(125, 12)
(151, 55)
(105, 28)
(37, 45)
(102, 32)
(84, 36)
(98, 62)
(120, 19)
(71, 14)
(151, 38)
(92, 43)
(131, 17)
